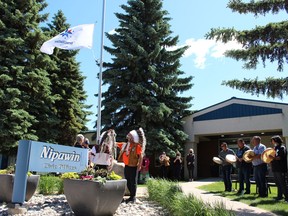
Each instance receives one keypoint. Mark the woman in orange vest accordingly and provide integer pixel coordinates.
(132, 154)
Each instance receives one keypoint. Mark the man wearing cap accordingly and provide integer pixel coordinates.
(226, 166)
(260, 168)
(244, 169)
(132, 154)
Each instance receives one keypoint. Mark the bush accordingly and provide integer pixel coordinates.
(50, 185)
(70, 175)
(170, 196)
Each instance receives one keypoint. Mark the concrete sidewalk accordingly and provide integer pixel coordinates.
(241, 209)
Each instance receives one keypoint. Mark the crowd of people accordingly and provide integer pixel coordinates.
(132, 153)
(256, 165)
(175, 166)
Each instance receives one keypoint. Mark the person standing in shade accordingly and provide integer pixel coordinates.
(177, 166)
(260, 168)
(164, 164)
(226, 167)
(190, 159)
(279, 167)
(144, 172)
(132, 154)
(244, 169)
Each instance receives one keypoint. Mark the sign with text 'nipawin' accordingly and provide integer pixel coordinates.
(46, 157)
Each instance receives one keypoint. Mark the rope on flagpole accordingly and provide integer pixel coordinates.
(100, 74)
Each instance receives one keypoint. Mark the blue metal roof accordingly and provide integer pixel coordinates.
(236, 111)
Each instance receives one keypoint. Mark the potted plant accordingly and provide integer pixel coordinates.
(7, 181)
(94, 192)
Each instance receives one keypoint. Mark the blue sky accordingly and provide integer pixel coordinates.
(191, 20)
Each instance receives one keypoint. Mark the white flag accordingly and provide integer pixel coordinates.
(77, 37)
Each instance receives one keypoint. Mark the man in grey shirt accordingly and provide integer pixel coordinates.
(226, 166)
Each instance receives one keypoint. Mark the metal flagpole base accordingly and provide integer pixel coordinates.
(16, 209)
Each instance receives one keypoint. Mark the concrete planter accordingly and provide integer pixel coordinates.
(6, 187)
(93, 198)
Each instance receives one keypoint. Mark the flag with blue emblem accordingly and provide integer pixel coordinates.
(77, 37)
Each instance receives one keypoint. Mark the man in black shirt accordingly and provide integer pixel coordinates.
(244, 169)
(226, 166)
(279, 167)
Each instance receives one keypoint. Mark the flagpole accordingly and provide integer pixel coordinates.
(100, 74)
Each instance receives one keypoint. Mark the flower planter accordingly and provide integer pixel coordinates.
(6, 187)
(87, 197)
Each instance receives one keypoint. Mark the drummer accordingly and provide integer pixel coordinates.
(226, 166)
(244, 168)
(260, 168)
(279, 167)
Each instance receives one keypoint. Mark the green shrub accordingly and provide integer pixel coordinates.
(60, 186)
(3, 171)
(50, 185)
(170, 196)
(70, 175)
(114, 176)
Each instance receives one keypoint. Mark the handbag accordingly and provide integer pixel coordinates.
(102, 159)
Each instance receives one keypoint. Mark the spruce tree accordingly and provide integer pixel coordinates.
(25, 95)
(70, 114)
(144, 80)
(261, 44)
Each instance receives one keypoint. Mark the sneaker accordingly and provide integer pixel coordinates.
(247, 192)
(278, 198)
(240, 192)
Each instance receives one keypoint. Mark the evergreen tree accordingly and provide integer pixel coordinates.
(263, 43)
(144, 78)
(25, 95)
(70, 113)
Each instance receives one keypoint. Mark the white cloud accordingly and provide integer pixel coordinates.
(201, 49)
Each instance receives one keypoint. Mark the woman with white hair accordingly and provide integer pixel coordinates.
(79, 141)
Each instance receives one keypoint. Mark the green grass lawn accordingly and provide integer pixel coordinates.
(277, 207)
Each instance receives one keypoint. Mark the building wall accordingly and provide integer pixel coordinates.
(276, 124)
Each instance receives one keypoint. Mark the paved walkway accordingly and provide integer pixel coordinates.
(241, 209)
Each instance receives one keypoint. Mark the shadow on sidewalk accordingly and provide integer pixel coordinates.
(248, 212)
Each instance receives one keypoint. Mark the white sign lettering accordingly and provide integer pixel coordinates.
(49, 153)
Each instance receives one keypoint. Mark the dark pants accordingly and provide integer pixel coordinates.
(244, 176)
(281, 185)
(177, 172)
(260, 178)
(190, 172)
(131, 177)
(227, 177)
(163, 171)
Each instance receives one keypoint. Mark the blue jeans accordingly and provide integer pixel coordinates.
(227, 177)
(244, 176)
(260, 178)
